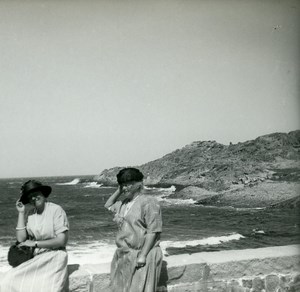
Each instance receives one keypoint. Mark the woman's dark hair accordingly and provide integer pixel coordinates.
(129, 174)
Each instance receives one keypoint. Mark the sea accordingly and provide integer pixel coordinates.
(187, 227)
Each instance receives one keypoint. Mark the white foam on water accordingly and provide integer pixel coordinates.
(257, 231)
(164, 193)
(170, 189)
(93, 184)
(251, 209)
(94, 252)
(213, 240)
(165, 199)
(4, 266)
(75, 181)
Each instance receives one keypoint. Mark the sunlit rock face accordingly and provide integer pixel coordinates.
(217, 168)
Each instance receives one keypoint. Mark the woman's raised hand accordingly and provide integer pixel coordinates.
(20, 206)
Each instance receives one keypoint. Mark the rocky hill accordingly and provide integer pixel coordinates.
(207, 168)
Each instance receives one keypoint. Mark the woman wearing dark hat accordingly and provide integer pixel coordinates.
(45, 227)
(137, 261)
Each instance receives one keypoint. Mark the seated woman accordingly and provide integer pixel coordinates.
(45, 228)
(137, 261)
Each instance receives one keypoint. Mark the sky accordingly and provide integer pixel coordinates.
(89, 85)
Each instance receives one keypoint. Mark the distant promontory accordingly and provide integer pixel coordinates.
(256, 173)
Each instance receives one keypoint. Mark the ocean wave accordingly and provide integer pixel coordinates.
(6, 237)
(170, 189)
(75, 181)
(214, 240)
(93, 184)
(4, 266)
(165, 199)
(243, 209)
(251, 209)
(94, 252)
(257, 231)
(162, 195)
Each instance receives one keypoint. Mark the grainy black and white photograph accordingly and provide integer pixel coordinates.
(149, 146)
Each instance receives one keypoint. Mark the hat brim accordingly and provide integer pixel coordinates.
(45, 190)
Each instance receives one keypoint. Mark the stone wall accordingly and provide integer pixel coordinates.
(271, 269)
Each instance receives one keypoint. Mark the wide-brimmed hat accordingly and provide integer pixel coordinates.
(33, 186)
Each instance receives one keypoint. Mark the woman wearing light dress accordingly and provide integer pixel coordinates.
(45, 227)
(137, 261)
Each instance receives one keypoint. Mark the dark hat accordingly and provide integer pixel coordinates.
(33, 186)
(129, 174)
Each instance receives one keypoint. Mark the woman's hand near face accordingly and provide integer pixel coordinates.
(120, 190)
(112, 199)
(20, 207)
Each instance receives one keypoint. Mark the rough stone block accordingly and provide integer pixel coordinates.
(80, 281)
(101, 283)
(272, 283)
(295, 285)
(186, 274)
(296, 278)
(234, 283)
(247, 283)
(294, 288)
(237, 289)
(175, 273)
(217, 286)
(257, 284)
(206, 273)
(284, 283)
(181, 288)
(234, 286)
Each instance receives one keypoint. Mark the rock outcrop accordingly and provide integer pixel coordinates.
(214, 169)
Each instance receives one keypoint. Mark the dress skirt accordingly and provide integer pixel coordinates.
(125, 277)
(46, 272)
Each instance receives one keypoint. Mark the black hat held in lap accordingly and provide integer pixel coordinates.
(33, 186)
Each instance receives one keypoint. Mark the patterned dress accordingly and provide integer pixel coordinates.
(47, 270)
(135, 220)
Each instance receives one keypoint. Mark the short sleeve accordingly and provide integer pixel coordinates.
(60, 219)
(153, 217)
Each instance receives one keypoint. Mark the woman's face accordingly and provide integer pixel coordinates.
(37, 199)
(131, 188)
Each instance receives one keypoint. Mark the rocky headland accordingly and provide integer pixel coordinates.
(263, 172)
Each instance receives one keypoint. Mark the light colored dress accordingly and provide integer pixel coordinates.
(135, 220)
(47, 270)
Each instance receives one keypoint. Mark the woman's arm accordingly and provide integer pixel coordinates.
(153, 221)
(112, 199)
(21, 232)
(149, 243)
(59, 241)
